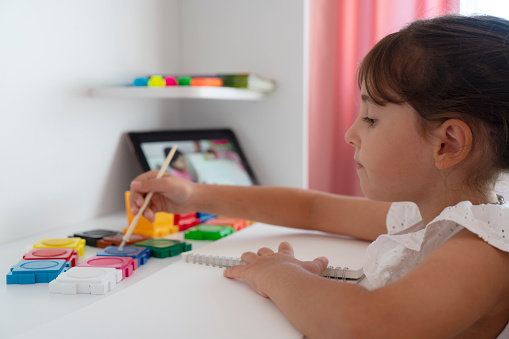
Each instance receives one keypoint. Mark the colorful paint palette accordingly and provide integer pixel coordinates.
(76, 243)
(91, 237)
(68, 254)
(208, 232)
(35, 271)
(163, 248)
(125, 264)
(85, 280)
(141, 254)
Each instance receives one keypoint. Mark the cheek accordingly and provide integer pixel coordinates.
(389, 158)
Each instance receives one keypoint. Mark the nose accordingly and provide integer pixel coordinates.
(351, 136)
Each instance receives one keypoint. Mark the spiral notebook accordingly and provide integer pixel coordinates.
(346, 255)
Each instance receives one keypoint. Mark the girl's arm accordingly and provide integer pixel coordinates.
(465, 281)
(292, 207)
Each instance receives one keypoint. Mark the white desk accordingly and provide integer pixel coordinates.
(26, 307)
(164, 297)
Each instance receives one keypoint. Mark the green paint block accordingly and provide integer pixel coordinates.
(208, 232)
(164, 248)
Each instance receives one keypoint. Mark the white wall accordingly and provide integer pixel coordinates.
(62, 157)
(264, 36)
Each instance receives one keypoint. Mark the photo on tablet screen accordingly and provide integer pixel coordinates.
(205, 156)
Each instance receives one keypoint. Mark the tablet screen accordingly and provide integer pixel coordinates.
(205, 156)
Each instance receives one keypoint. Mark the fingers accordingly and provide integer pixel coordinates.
(149, 214)
(265, 251)
(248, 257)
(316, 266)
(237, 272)
(265, 263)
(145, 182)
(139, 186)
(234, 272)
(286, 247)
(319, 265)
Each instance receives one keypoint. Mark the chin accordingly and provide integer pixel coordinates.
(375, 196)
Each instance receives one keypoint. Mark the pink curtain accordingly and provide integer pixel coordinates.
(342, 32)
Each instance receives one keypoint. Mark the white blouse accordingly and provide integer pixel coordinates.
(408, 241)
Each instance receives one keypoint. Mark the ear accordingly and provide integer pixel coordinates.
(453, 143)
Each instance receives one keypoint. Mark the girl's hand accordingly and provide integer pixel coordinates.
(266, 269)
(171, 194)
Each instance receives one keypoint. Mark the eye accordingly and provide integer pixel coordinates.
(370, 121)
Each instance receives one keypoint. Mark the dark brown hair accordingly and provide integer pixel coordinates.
(450, 67)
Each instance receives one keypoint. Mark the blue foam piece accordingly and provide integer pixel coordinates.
(35, 271)
(140, 253)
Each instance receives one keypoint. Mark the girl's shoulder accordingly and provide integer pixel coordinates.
(393, 255)
(490, 222)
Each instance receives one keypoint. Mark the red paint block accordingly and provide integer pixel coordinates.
(67, 254)
(126, 264)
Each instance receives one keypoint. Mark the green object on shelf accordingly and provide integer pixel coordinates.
(184, 81)
(208, 232)
(164, 248)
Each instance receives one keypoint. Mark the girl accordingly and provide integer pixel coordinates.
(430, 142)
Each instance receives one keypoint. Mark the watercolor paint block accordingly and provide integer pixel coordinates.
(125, 265)
(92, 236)
(162, 226)
(68, 254)
(236, 224)
(35, 271)
(141, 254)
(164, 248)
(116, 240)
(208, 232)
(76, 243)
(186, 224)
(182, 217)
(85, 280)
(205, 216)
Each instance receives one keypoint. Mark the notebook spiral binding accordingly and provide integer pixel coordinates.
(338, 273)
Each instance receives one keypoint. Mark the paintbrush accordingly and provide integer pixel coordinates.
(135, 220)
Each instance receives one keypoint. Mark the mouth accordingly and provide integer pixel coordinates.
(358, 164)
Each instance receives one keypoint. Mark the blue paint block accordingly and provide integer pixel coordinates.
(140, 253)
(205, 216)
(36, 271)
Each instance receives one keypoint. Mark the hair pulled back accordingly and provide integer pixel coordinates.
(450, 67)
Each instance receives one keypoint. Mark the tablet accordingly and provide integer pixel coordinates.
(211, 156)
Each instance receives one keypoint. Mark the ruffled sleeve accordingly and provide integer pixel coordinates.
(393, 255)
(401, 216)
(489, 222)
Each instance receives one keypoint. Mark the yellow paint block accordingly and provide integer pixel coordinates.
(76, 243)
(161, 227)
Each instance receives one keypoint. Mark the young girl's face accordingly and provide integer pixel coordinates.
(394, 161)
(179, 163)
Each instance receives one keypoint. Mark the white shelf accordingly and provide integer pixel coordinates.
(218, 93)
